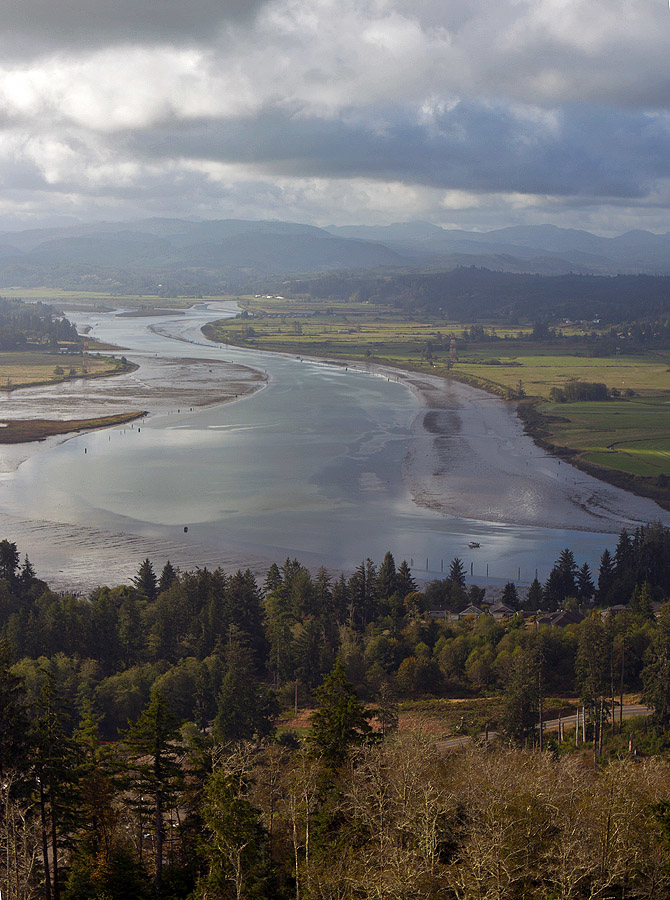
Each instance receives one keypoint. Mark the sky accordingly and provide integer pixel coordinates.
(472, 114)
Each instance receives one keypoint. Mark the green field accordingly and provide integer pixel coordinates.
(630, 436)
(102, 299)
(22, 369)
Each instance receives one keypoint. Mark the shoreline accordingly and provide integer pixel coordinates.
(153, 385)
(474, 459)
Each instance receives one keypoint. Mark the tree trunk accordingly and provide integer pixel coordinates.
(623, 653)
(45, 844)
(54, 852)
(159, 842)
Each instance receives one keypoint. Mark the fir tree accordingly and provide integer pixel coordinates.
(145, 581)
(510, 596)
(387, 580)
(167, 578)
(605, 578)
(405, 583)
(153, 739)
(340, 720)
(534, 597)
(585, 588)
(457, 572)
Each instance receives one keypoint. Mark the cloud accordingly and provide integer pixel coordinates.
(421, 103)
(31, 27)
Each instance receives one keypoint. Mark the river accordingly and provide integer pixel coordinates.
(311, 466)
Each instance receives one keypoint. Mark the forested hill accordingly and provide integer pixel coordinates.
(25, 326)
(140, 755)
(468, 293)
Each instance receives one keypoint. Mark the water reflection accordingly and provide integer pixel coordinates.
(309, 467)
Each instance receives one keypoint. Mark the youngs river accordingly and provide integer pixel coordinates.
(310, 466)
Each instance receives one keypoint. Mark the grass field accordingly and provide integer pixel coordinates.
(102, 299)
(29, 368)
(630, 436)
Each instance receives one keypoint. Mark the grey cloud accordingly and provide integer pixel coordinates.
(593, 151)
(30, 26)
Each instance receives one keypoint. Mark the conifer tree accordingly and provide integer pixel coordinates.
(605, 578)
(145, 581)
(457, 572)
(405, 583)
(510, 596)
(153, 740)
(585, 588)
(340, 719)
(167, 578)
(13, 713)
(534, 597)
(387, 581)
(656, 673)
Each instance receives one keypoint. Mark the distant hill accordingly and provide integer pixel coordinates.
(185, 256)
(470, 294)
(633, 252)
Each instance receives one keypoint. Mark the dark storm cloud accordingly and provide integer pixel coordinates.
(475, 147)
(39, 25)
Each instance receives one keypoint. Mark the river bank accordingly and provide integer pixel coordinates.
(158, 386)
(472, 458)
(324, 465)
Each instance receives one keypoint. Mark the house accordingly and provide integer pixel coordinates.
(501, 611)
(470, 611)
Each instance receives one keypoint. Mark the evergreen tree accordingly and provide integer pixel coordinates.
(534, 597)
(340, 720)
(237, 856)
(13, 714)
(641, 602)
(405, 583)
(605, 578)
(273, 579)
(624, 579)
(145, 581)
(55, 757)
(562, 580)
(592, 666)
(457, 572)
(387, 709)
(9, 560)
(387, 581)
(521, 697)
(27, 576)
(585, 588)
(153, 740)
(656, 672)
(245, 708)
(510, 596)
(167, 578)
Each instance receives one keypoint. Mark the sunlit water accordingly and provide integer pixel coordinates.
(310, 466)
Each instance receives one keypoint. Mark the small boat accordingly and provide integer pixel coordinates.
(473, 545)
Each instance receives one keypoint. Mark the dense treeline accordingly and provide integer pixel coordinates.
(139, 755)
(469, 292)
(188, 633)
(26, 325)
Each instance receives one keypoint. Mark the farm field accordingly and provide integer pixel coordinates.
(630, 435)
(22, 369)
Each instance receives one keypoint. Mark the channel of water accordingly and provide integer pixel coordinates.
(308, 467)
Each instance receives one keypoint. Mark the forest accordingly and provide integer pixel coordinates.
(468, 293)
(142, 750)
(26, 326)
